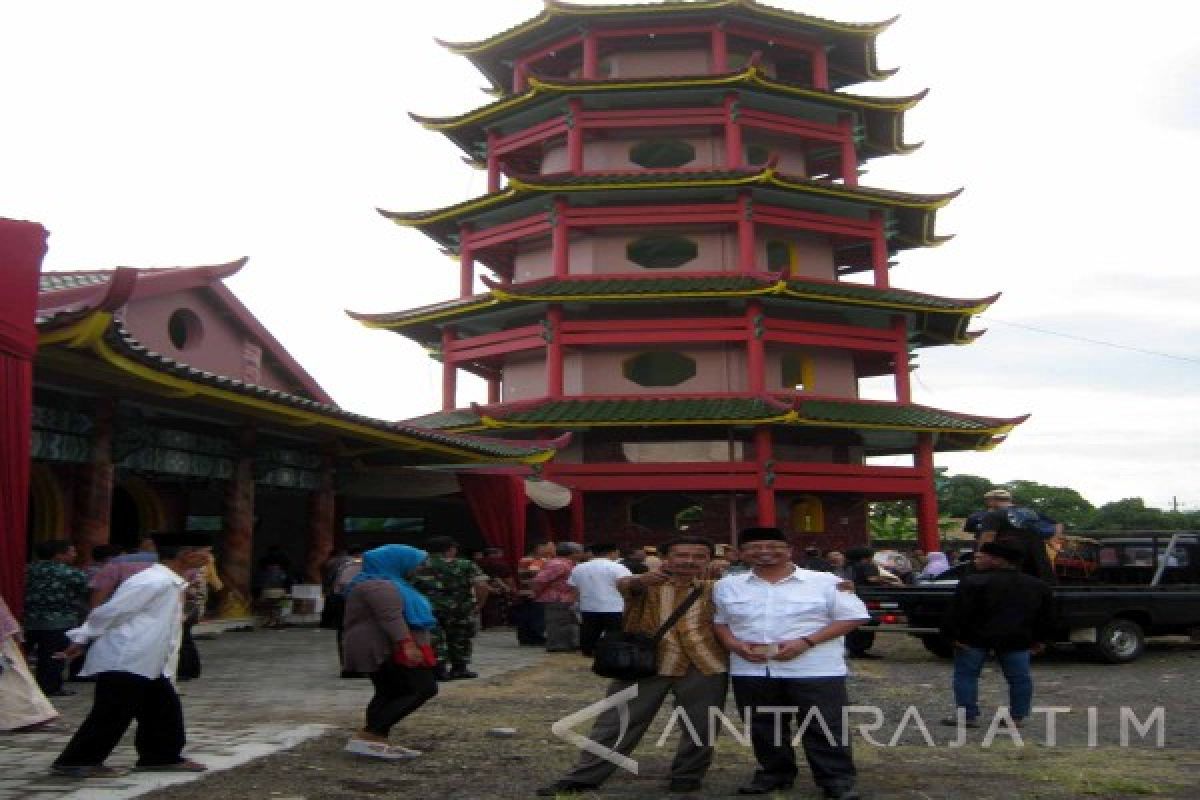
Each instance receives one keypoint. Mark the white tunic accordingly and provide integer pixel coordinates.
(596, 582)
(801, 604)
(139, 629)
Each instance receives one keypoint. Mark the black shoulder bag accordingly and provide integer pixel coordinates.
(633, 656)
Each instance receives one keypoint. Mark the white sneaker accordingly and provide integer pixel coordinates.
(364, 747)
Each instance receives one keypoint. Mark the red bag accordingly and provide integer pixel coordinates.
(428, 659)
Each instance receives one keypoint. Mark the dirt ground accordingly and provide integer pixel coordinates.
(463, 761)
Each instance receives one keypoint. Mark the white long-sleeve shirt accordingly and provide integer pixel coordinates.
(139, 629)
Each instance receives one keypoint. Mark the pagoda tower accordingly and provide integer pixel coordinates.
(676, 263)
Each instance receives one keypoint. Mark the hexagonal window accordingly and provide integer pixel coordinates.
(662, 153)
(659, 368)
(662, 252)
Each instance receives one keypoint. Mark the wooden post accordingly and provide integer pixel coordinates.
(493, 163)
(733, 134)
(575, 136)
(236, 552)
(756, 356)
(93, 512)
(763, 445)
(820, 68)
(466, 263)
(493, 390)
(903, 383)
(560, 238)
(849, 152)
(879, 251)
(720, 50)
(745, 233)
(449, 370)
(321, 522)
(591, 56)
(519, 77)
(928, 535)
(554, 352)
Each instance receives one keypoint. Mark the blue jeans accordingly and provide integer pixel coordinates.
(968, 664)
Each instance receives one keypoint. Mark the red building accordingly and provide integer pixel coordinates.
(678, 264)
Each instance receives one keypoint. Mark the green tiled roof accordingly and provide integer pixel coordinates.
(650, 410)
(56, 281)
(890, 414)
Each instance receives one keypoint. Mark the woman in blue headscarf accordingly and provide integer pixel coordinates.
(387, 625)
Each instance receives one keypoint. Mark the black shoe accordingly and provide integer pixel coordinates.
(841, 793)
(460, 674)
(684, 785)
(764, 786)
(565, 787)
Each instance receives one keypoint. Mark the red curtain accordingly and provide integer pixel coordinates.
(22, 245)
(498, 504)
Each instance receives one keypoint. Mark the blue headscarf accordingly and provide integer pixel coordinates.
(393, 562)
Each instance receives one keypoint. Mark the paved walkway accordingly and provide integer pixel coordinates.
(261, 692)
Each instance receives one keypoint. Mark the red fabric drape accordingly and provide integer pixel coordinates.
(497, 503)
(22, 245)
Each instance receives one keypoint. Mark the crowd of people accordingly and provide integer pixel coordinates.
(774, 625)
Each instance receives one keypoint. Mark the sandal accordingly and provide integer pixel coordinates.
(87, 771)
(186, 765)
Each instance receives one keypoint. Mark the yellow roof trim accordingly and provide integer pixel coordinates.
(81, 334)
(492, 423)
(433, 315)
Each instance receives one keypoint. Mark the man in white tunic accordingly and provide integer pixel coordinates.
(783, 627)
(600, 603)
(135, 638)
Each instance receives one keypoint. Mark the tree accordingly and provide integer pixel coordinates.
(959, 495)
(1057, 502)
(1132, 514)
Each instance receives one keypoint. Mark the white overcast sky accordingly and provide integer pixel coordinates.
(173, 133)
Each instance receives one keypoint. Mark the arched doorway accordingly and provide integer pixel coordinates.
(125, 524)
(47, 508)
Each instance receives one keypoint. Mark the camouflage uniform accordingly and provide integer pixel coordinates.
(449, 585)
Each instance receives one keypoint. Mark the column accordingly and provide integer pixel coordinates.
(93, 505)
(493, 163)
(575, 136)
(321, 523)
(820, 68)
(577, 515)
(733, 133)
(493, 390)
(466, 263)
(720, 50)
(928, 535)
(236, 552)
(591, 56)
(560, 239)
(879, 251)
(449, 370)
(849, 152)
(745, 232)
(903, 381)
(763, 455)
(554, 352)
(756, 353)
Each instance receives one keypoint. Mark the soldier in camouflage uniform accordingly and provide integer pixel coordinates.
(456, 588)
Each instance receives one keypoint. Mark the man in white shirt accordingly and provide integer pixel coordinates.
(135, 638)
(600, 604)
(783, 627)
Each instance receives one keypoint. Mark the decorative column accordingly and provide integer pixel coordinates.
(93, 506)
(733, 133)
(720, 50)
(879, 251)
(820, 68)
(756, 353)
(466, 262)
(591, 56)
(928, 535)
(849, 152)
(493, 390)
(764, 457)
(321, 523)
(493, 163)
(560, 238)
(449, 370)
(575, 136)
(554, 352)
(745, 232)
(901, 365)
(236, 553)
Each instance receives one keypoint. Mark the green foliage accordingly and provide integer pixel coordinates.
(960, 495)
(1132, 514)
(892, 520)
(1057, 502)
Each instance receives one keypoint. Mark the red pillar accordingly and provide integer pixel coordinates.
(466, 263)
(733, 134)
(493, 163)
(591, 56)
(577, 515)
(321, 522)
(236, 553)
(745, 232)
(756, 354)
(820, 69)
(493, 389)
(763, 455)
(93, 510)
(449, 370)
(849, 152)
(879, 251)
(560, 240)
(554, 352)
(928, 535)
(720, 50)
(903, 383)
(575, 136)
(519, 77)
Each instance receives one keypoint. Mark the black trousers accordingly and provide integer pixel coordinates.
(122, 697)
(189, 656)
(399, 691)
(771, 734)
(530, 618)
(593, 625)
(49, 670)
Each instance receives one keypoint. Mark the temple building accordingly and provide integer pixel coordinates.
(160, 403)
(676, 262)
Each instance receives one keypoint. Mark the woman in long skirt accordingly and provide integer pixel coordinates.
(23, 706)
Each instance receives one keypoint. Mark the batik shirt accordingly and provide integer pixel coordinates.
(55, 596)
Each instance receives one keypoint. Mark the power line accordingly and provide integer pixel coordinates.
(1101, 342)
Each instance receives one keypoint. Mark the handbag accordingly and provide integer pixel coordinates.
(633, 656)
(428, 659)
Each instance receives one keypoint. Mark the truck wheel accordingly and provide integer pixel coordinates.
(940, 646)
(1119, 641)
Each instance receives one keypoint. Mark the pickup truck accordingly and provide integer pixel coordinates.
(1112, 594)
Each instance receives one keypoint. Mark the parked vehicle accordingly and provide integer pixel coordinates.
(1113, 592)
